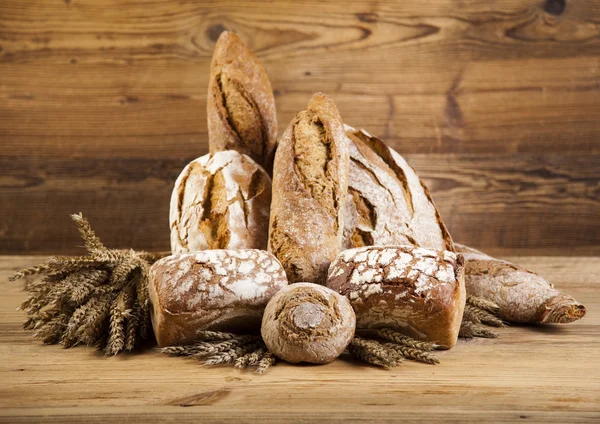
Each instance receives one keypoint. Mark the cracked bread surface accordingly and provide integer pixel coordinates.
(310, 183)
(211, 290)
(387, 202)
(240, 106)
(419, 292)
(220, 201)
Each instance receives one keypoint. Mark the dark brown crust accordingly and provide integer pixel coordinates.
(309, 192)
(240, 106)
(212, 290)
(409, 290)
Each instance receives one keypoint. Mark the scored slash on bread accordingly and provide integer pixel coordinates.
(240, 105)
(387, 203)
(521, 295)
(220, 201)
(310, 183)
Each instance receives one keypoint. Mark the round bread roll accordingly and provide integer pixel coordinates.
(224, 290)
(220, 201)
(419, 292)
(306, 322)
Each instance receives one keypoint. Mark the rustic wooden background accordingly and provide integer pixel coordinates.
(495, 103)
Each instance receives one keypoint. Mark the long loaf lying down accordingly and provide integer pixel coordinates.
(387, 204)
(522, 295)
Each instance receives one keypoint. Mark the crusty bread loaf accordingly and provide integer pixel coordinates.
(309, 189)
(241, 106)
(220, 201)
(307, 322)
(419, 292)
(387, 203)
(224, 290)
(522, 295)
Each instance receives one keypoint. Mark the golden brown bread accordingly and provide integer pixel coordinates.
(241, 106)
(309, 189)
(307, 322)
(387, 203)
(220, 201)
(419, 292)
(522, 295)
(224, 290)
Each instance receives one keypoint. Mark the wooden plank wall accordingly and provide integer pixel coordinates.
(495, 103)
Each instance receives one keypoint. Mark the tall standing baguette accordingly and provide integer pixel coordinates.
(521, 295)
(310, 183)
(241, 106)
(387, 203)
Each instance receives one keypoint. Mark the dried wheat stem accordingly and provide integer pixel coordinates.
(483, 304)
(396, 337)
(265, 362)
(469, 329)
(412, 353)
(373, 352)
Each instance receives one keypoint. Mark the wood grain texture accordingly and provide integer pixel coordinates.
(528, 374)
(495, 103)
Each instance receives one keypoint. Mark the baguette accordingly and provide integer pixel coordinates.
(240, 107)
(310, 183)
(521, 295)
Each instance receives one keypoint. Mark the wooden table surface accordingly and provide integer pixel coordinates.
(528, 374)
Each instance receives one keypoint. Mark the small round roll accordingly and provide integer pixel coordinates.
(306, 322)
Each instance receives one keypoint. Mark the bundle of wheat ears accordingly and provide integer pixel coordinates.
(101, 300)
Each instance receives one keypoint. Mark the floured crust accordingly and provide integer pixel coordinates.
(220, 201)
(306, 322)
(309, 190)
(241, 106)
(522, 295)
(417, 291)
(387, 203)
(213, 289)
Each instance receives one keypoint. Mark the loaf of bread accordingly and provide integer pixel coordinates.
(387, 203)
(307, 322)
(220, 201)
(309, 190)
(522, 295)
(241, 106)
(225, 290)
(419, 292)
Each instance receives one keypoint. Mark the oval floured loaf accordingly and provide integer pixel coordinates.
(419, 292)
(220, 201)
(224, 290)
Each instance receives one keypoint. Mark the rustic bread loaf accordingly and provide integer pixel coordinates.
(419, 292)
(387, 203)
(310, 177)
(306, 322)
(220, 201)
(521, 295)
(224, 290)
(241, 106)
